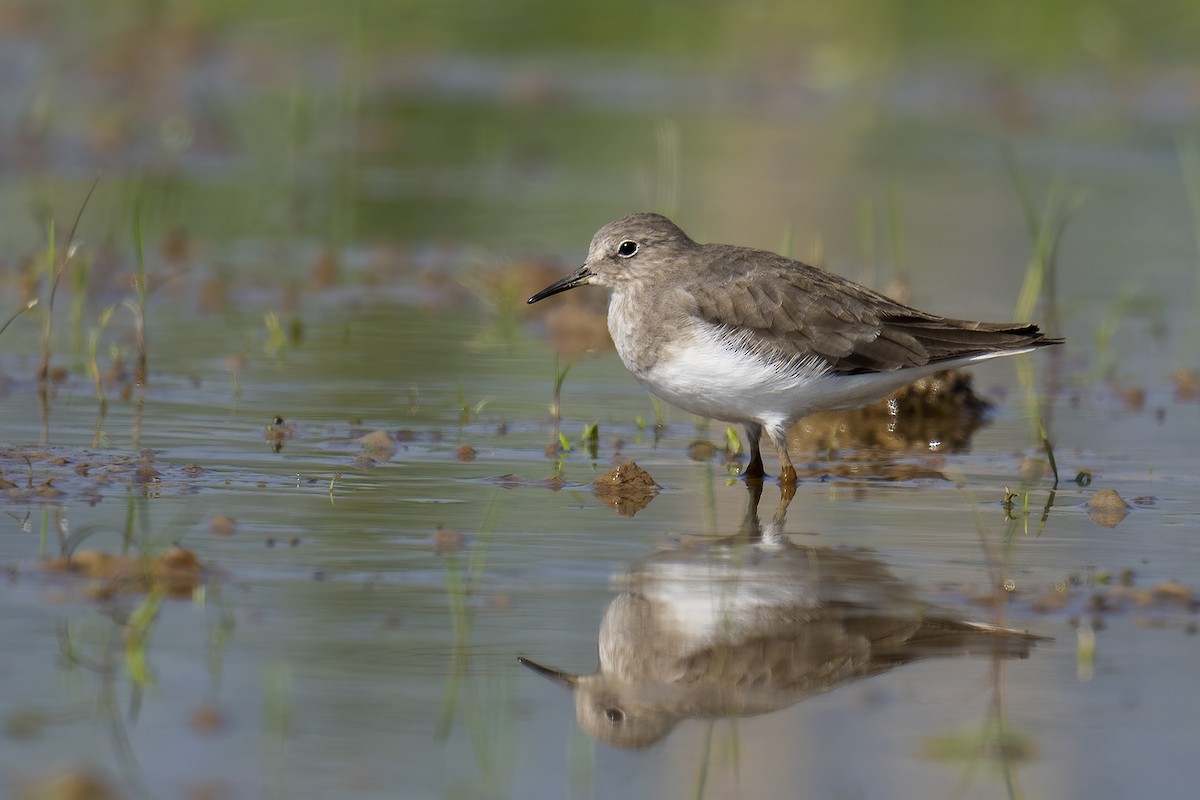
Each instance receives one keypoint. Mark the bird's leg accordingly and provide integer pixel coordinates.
(755, 468)
(751, 528)
(773, 533)
(786, 493)
(787, 490)
(787, 473)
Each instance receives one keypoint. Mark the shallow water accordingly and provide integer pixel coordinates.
(356, 630)
(343, 655)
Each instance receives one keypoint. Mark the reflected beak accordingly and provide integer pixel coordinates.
(558, 676)
(580, 277)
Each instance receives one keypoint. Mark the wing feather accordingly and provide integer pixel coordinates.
(785, 310)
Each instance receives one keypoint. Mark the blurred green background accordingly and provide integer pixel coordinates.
(520, 126)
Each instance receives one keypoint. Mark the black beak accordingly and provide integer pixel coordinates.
(577, 278)
(558, 676)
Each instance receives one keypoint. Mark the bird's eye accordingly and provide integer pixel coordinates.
(614, 715)
(627, 248)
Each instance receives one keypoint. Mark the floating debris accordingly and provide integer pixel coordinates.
(446, 540)
(278, 432)
(1173, 592)
(626, 488)
(206, 720)
(177, 572)
(1106, 508)
(1134, 399)
(406, 435)
(76, 783)
(465, 453)
(1187, 384)
(1164, 604)
(223, 526)
(145, 475)
(378, 445)
(510, 481)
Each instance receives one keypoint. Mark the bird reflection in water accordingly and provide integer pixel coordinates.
(751, 624)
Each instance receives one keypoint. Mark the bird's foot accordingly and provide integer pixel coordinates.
(754, 470)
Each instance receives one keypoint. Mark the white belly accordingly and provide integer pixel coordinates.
(713, 377)
(713, 380)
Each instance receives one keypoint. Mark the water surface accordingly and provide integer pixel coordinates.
(350, 255)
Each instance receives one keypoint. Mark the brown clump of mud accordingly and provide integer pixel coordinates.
(378, 445)
(446, 540)
(1098, 595)
(1107, 597)
(626, 488)
(938, 412)
(510, 481)
(1106, 508)
(176, 572)
(60, 474)
(1187, 384)
(77, 783)
(223, 526)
